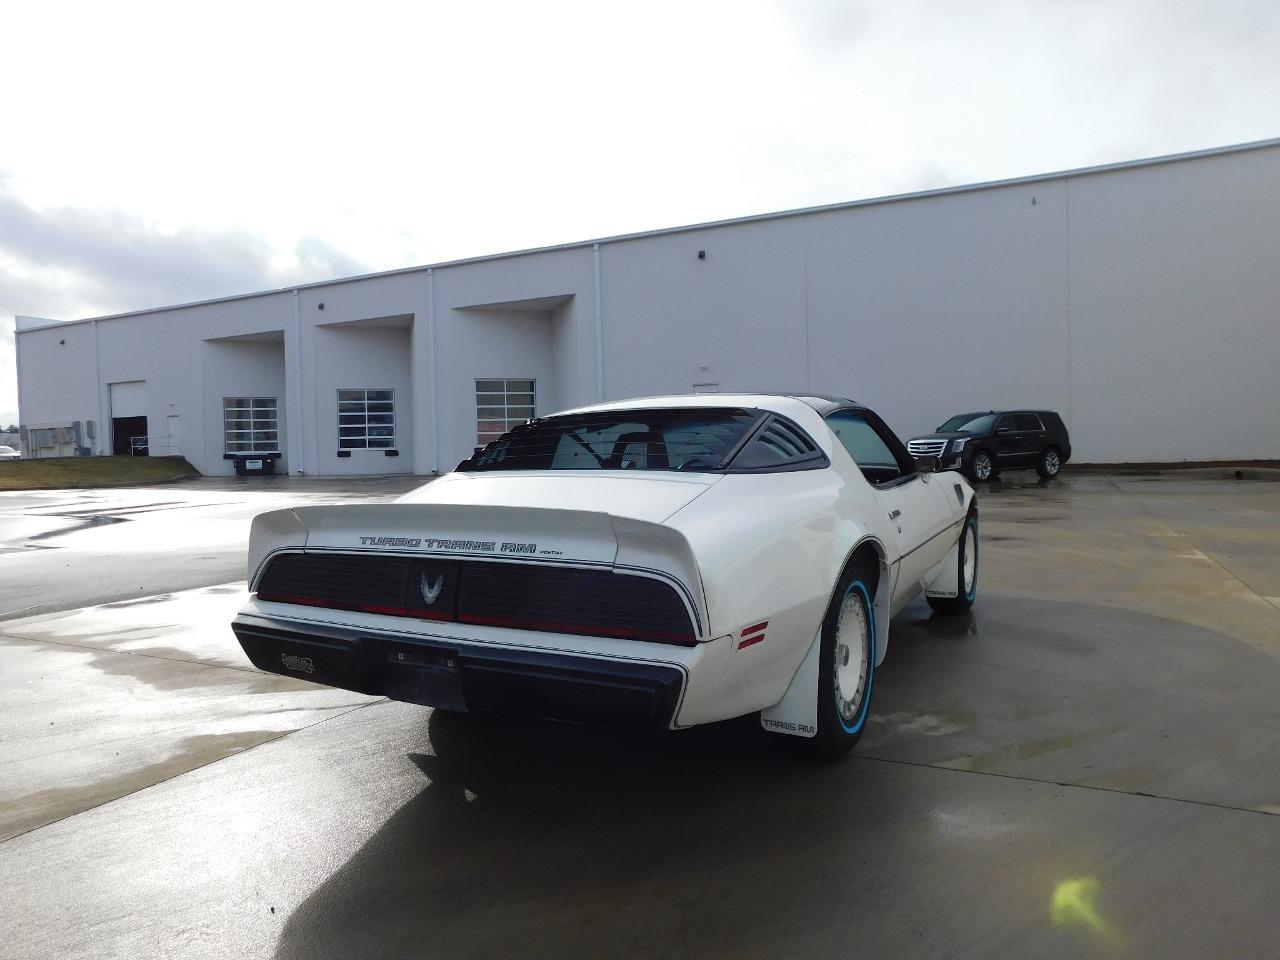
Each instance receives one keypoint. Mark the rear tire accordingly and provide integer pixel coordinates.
(1049, 464)
(966, 574)
(846, 670)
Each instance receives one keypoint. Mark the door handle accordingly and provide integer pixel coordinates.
(894, 514)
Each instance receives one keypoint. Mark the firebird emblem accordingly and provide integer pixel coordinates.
(302, 664)
(431, 591)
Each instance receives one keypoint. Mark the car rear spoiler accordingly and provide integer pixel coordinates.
(532, 534)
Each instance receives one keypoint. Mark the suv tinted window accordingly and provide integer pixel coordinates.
(873, 455)
(1052, 421)
(975, 423)
(1026, 421)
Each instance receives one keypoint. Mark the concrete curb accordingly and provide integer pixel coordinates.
(103, 486)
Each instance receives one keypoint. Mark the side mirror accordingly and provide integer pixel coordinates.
(928, 464)
(1004, 430)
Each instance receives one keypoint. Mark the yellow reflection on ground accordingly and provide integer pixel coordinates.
(1075, 902)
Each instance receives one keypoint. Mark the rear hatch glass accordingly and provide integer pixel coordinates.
(694, 439)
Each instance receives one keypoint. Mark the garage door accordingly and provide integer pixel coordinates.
(129, 399)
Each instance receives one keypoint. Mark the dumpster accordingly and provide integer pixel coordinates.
(255, 466)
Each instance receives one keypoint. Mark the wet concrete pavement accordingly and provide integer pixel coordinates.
(102, 702)
(1088, 766)
(61, 549)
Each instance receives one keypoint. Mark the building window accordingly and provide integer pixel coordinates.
(366, 419)
(251, 424)
(501, 405)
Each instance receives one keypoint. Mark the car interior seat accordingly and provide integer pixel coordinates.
(645, 451)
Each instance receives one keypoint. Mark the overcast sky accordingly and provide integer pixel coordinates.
(154, 154)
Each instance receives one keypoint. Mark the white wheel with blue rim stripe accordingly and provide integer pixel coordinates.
(852, 656)
(846, 672)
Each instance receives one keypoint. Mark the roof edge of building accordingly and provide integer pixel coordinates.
(705, 225)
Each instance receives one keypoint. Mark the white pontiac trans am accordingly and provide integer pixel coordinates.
(648, 564)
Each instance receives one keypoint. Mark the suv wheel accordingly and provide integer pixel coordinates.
(1050, 463)
(981, 467)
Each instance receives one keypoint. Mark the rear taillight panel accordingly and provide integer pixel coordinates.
(521, 596)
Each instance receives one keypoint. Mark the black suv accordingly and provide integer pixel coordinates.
(982, 444)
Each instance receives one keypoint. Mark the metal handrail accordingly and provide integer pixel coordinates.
(165, 443)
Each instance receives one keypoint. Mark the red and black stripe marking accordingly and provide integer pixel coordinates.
(752, 634)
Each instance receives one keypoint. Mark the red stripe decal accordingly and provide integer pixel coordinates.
(579, 629)
(583, 629)
(359, 607)
(755, 628)
(750, 640)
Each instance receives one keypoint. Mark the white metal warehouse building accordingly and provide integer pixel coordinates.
(1141, 300)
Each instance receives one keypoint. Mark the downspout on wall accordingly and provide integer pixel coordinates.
(435, 387)
(17, 360)
(299, 468)
(599, 309)
(101, 431)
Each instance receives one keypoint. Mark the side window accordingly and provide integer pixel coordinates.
(870, 451)
(1027, 422)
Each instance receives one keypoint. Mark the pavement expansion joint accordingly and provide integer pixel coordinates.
(12, 614)
(130, 653)
(1071, 786)
(1194, 552)
(203, 766)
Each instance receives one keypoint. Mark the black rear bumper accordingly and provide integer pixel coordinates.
(438, 672)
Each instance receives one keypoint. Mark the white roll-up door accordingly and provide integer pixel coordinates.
(129, 399)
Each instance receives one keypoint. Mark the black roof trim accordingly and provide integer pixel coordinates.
(824, 403)
(1003, 411)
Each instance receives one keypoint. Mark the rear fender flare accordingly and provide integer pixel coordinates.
(884, 589)
(796, 714)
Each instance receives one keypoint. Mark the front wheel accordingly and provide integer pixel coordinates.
(981, 467)
(966, 575)
(847, 666)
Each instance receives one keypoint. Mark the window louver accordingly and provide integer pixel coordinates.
(788, 442)
(779, 446)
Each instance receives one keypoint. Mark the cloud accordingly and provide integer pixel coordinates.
(558, 127)
(66, 263)
(121, 261)
(993, 88)
(318, 259)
